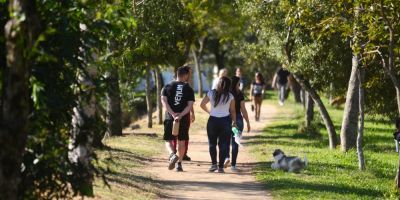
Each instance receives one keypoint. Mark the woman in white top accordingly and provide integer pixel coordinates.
(219, 124)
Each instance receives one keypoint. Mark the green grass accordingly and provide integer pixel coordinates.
(331, 174)
(125, 156)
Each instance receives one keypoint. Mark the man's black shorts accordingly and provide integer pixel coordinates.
(183, 129)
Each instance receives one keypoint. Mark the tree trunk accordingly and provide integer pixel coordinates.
(393, 77)
(324, 113)
(307, 87)
(159, 87)
(82, 134)
(114, 113)
(398, 173)
(148, 98)
(303, 94)
(199, 80)
(296, 88)
(309, 110)
(219, 56)
(389, 69)
(348, 133)
(360, 152)
(330, 95)
(20, 35)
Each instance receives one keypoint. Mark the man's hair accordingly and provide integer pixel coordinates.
(398, 123)
(184, 70)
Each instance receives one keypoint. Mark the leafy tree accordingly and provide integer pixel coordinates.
(287, 29)
(163, 37)
(72, 46)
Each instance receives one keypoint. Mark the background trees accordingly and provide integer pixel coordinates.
(324, 43)
(163, 37)
(69, 69)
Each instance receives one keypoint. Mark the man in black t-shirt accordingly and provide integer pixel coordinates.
(177, 98)
(280, 81)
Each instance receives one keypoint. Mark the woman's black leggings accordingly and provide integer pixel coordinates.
(218, 132)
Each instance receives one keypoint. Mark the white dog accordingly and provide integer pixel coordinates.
(290, 164)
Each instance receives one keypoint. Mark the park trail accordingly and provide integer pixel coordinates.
(196, 182)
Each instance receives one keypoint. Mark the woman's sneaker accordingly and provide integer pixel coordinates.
(234, 168)
(227, 162)
(221, 170)
(172, 160)
(213, 168)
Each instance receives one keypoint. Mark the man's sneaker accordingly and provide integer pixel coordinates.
(172, 160)
(221, 170)
(179, 167)
(234, 168)
(213, 168)
(186, 158)
(227, 162)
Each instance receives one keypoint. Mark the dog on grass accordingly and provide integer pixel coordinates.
(287, 163)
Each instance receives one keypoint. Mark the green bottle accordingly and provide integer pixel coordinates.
(235, 132)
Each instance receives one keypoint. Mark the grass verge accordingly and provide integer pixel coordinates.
(125, 157)
(331, 174)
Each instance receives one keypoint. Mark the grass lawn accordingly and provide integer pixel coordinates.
(331, 174)
(125, 156)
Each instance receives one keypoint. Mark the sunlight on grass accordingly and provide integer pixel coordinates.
(124, 158)
(331, 174)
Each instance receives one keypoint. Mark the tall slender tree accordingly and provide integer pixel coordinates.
(21, 33)
(360, 133)
(159, 82)
(348, 132)
(114, 113)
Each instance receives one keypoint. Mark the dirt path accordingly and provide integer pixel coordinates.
(197, 183)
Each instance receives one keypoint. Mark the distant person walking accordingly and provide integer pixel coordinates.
(242, 80)
(177, 99)
(241, 113)
(257, 90)
(280, 82)
(219, 125)
(222, 73)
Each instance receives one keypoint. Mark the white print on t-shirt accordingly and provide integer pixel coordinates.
(178, 95)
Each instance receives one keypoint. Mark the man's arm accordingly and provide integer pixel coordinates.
(164, 102)
(186, 110)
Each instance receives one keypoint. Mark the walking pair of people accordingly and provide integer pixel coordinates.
(227, 105)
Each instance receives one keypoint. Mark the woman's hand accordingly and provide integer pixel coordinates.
(192, 117)
(234, 125)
